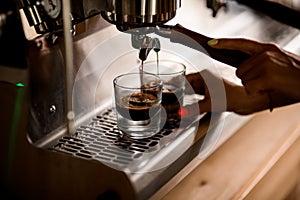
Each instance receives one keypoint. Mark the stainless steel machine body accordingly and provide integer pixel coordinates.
(94, 162)
(40, 159)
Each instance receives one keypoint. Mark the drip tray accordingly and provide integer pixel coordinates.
(149, 163)
(101, 140)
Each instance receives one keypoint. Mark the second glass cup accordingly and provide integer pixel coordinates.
(172, 74)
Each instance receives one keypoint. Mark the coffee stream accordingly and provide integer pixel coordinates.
(150, 43)
(142, 64)
(172, 97)
(136, 106)
(157, 63)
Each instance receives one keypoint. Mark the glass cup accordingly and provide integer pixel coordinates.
(138, 104)
(172, 74)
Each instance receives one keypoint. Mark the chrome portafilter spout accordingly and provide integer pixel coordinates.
(147, 45)
(144, 43)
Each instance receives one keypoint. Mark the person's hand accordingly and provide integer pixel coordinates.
(270, 78)
(269, 69)
(220, 95)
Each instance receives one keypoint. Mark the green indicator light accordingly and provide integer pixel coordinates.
(20, 85)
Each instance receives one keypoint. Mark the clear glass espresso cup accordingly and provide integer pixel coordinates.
(172, 73)
(138, 104)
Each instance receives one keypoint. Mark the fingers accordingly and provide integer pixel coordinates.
(194, 84)
(250, 67)
(213, 89)
(263, 72)
(230, 97)
(195, 109)
(203, 82)
(256, 87)
(257, 73)
(248, 46)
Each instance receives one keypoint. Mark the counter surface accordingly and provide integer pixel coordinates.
(260, 161)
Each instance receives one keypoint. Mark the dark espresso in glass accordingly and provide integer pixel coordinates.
(138, 106)
(172, 100)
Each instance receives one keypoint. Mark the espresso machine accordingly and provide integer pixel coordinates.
(60, 138)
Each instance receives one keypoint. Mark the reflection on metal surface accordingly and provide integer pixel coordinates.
(102, 140)
(140, 13)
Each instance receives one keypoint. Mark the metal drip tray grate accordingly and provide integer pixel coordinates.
(101, 140)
